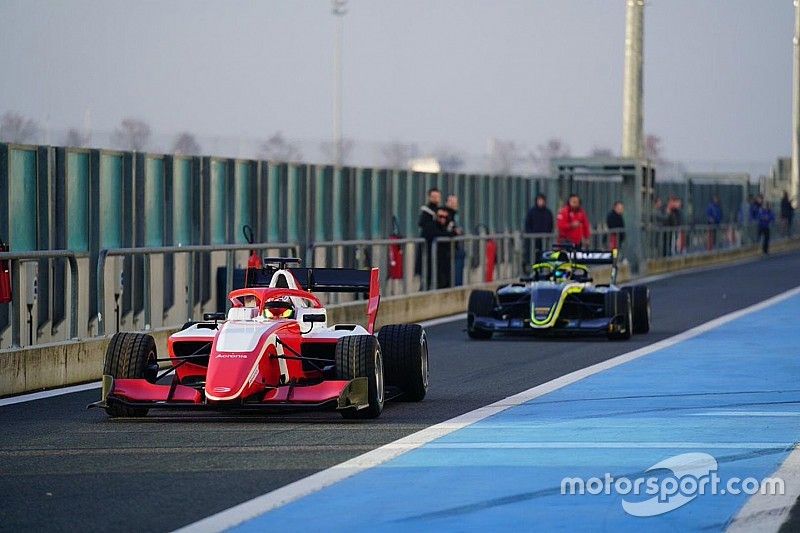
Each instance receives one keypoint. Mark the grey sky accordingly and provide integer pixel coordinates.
(717, 73)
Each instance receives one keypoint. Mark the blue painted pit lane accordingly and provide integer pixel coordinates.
(731, 392)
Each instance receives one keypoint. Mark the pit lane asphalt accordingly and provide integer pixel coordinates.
(65, 468)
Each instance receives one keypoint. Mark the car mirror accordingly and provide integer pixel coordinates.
(316, 317)
(213, 316)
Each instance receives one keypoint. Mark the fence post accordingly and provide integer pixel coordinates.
(101, 291)
(73, 316)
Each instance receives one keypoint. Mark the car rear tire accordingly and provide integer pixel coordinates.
(481, 303)
(405, 357)
(130, 356)
(640, 300)
(624, 318)
(359, 356)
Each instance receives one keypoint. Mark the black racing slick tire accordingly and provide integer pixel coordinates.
(623, 318)
(359, 356)
(481, 303)
(640, 300)
(405, 359)
(133, 356)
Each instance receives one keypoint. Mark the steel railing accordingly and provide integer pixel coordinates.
(467, 258)
(193, 250)
(456, 260)
(15, 259)
(376, 252)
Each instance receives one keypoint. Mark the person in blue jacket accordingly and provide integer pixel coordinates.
(765, 219)
(714, 211)
(713, 218)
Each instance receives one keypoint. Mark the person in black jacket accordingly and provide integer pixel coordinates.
(538, 220)
(451, 205)
(444, 228)
(615, 221)
(787, 213)
(429, 230)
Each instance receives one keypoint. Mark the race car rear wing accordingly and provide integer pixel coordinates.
(585, 257)
(350, 280)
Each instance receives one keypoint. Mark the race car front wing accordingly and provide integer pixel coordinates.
(338, 394)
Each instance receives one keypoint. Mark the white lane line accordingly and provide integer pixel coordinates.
(48, 393)
(443, 320)
(606, 445)
(764, 512)
(318, 481)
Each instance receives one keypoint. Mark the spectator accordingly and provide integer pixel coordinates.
(443, 229)
(573, 223)
(538, 220)
(451, 205)
(787, 213)
(428, 231)
(714, 211)
(674, 220)
(615, 221)
(713, 218)
(765, 219)
(659, 212)
(659, 221)
(755, 208)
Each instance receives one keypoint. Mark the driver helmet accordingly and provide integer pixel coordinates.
(279, 308)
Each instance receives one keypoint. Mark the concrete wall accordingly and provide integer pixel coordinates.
(60, 364)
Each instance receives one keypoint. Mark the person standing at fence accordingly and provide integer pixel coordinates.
(765, 219)
(616, 223)
(573, 223)
(444, 228)
(674, 220)
(451, 205)
(428, 230)
(714, 219)
(538, 220)
(787, 213)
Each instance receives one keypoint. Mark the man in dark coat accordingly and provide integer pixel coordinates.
(451, 205)
(538, 220)
(428, 230)
(615, 221)
(444, 228)
(787, 213)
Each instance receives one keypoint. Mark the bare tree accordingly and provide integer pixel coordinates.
(278, 148)
(449, 159)
(185, 144)
(346, 151)
(132, 134)
(397, 154)
(599, 151)
(15, 128)
(653, 149)
(554, 148)
(503, 155)
(75, 139)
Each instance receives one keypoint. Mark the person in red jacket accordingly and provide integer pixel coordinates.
(573, 223)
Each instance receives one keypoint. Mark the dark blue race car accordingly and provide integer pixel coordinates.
(560, 298)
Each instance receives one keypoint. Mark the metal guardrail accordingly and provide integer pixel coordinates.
(669, 241)
(467, 258)
(472, 249)
(15, 259)
(376, 252)
(193, 250)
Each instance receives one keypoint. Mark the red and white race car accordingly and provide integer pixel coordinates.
(273, 350)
